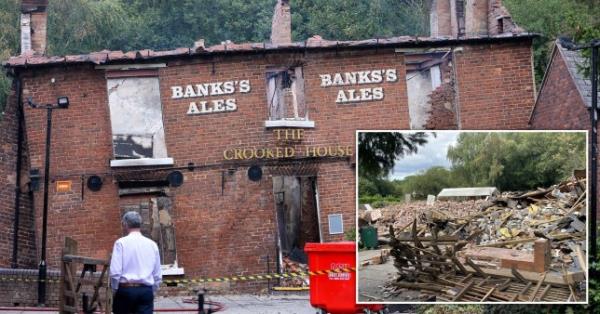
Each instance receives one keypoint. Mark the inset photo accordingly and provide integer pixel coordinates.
(472, 217)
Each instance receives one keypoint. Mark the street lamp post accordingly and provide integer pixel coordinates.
(594, 45)
(62, 103)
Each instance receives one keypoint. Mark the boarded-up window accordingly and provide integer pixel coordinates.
(157, 224)
(136, 118)
(285, 94)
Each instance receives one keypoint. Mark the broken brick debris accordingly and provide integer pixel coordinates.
(517, 247)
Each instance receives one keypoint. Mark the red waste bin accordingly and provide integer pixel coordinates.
(335, 293)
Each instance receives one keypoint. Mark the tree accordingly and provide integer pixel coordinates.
(9, 41)
(577, 19)
(430, 181)
(516, 161)
(377, 152)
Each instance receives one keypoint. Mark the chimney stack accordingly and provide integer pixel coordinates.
(459, 18)
(476, 17)
(34, 19)
(441, 18)
(281, 28)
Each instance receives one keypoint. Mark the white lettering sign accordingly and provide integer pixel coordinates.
(359, 78)
(211, 89)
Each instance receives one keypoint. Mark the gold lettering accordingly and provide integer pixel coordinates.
(278, 152)
(300, 134)
(330, 150)
(310, 151)
(289, 134)
(238, 154)
(319, 151)
(278, 131)
(262, 150)
(289, 152)
(348, 150)
(226, 156)
(250, 153)
(340, 151)
(269, 153)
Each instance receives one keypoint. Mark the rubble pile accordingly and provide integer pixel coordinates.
(401, 215)
(290, 266)
(515, 247)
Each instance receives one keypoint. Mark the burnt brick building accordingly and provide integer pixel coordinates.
(236, 154)
(565, 97)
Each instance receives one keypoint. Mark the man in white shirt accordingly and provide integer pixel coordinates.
(134, 269)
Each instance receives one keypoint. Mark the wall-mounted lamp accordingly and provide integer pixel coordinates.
(63, 102)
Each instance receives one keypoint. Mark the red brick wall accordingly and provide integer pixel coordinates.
(21, 288)
(8, 178)
(231, 231)
(495, 86)
(8, 165)
(81, 146)
(443, 102)
(217, 233)
(559, 105)
(441, 117)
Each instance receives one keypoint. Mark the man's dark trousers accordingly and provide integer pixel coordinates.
(139, 300)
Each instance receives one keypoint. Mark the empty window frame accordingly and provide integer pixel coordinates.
(285, 94)
(136, 118)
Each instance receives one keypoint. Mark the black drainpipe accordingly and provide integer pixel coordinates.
(20, 117)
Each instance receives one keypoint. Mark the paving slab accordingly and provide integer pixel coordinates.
(372, 278)
(232, 304)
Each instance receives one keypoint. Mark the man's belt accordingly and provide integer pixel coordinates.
(131, 285)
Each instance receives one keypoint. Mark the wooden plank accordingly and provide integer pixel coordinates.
(518, 275)
(70, 280)
(541, 298)
(484, 281)
(581, 259)
(537, 288)
(94, 302)
(459, 265)
(69, 294)
(469, 276)
(527, 286)
(504, 285)
(463, 291)
(487, 295)
(441, 239)
(475, 267)
(84, 260)
(530, 276)
(69, 248)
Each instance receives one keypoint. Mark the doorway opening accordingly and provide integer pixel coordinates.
(157, 225)
(298, 223)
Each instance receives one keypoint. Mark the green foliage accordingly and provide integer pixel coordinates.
(350, 235)
(377, 152)
(552, 18)
(431, 181)
(516, 161)
(9, 41)
(359, 19)
(81, 26)
(378, 201)
(451, 309)
(510, 161)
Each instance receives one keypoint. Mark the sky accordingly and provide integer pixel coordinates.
(431, 154)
